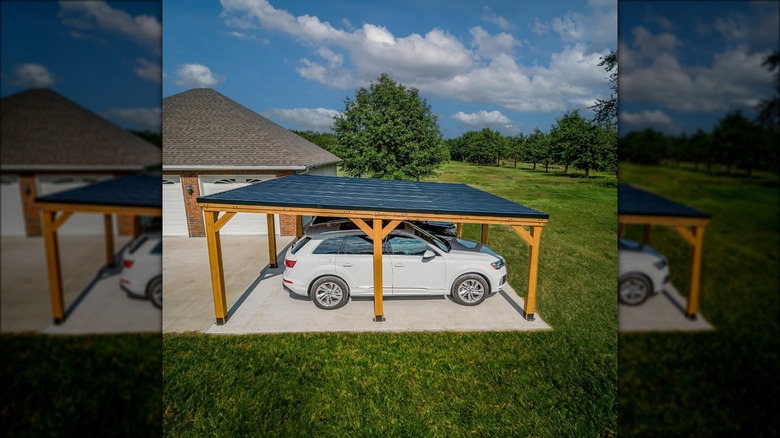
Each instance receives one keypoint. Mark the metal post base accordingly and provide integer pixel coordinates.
(273, 265)
(379, 318)
(692, 317)
(221, 321)
(529, 317)
(58, 321)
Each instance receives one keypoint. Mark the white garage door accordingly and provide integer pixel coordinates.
(174, 214)
(79, 223)
(12, 212)
(241, 223)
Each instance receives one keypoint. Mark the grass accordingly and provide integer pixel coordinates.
(720, 382)
(557, 383)
(81, 385)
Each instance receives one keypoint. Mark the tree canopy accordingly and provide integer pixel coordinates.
(389, 131)
(606, 110)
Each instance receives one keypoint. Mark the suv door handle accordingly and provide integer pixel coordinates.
(347, 265)
(399, 265)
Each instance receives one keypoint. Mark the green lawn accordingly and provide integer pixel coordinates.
(557, 383)
(722, 382)
(101, 385)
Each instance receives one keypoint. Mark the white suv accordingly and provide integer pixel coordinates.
(642, 271)
(330, 264)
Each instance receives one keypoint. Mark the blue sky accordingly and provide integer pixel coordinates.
(684, 65)
(104, 56)
(508, 65)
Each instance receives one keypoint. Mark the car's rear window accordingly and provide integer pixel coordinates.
(329, 246)
(137, 243)
(300, 244)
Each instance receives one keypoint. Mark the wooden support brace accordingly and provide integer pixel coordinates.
(686, 234)
(524, 234)
(61, 220)
(363, 226)
(223, 220)
(459, 229)
(484, 238)
(108, 224)
(215, 265)
(53, 263)
(621, 230)
(272, 262)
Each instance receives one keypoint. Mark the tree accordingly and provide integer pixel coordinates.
(606, 110)
(538, 147)
(769, 109)
(485, 147)
(389, 131)
(576, 142)
(518, 148)
(325, 140)
(735, 141)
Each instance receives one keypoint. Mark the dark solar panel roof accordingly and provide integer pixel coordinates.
(310, 191)
(632, 200)
(131, 191)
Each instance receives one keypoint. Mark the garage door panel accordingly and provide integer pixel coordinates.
(12, 220)
(174, 213)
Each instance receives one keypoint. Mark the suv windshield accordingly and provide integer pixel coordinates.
(430, 238)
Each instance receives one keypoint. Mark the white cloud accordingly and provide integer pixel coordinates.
(486, 119)
(489, 16)
(33, 76)
(148, 70)
(651, 72)
(143, 119)
(597, 28)
(654, 118)
(540, 28)
(438, 63)
(83, 15)
(195, 76)
(305, 119)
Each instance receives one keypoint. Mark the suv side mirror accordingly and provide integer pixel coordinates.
(428, 254)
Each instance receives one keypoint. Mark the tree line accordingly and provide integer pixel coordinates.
(572, 141)
(735, 143)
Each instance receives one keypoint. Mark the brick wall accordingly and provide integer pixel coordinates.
(32, 216)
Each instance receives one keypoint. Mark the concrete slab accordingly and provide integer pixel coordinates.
(188, 301)
(258, 304)
(660, 313)
(93, 298)
(267, 308)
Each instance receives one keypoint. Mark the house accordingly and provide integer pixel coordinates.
(212, 144)
(51, 144)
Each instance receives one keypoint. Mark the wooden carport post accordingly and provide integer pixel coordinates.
(109, 229)
(50, 225)
(484, 238)
(299, 226)
(272, 262)
(377, 234)
(534, 240)
(695, 238)
(213, 225)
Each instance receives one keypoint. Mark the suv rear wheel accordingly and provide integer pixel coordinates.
(329, 293)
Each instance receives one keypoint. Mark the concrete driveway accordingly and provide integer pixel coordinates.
(93, 300)
(663, 312)
(258, 303)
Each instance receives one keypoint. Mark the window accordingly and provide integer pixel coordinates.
(330, 246)
(400, 245)
(358, 245)
(300, 244)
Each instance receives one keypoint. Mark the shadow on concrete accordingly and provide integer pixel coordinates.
(104, 272)
(265, 273)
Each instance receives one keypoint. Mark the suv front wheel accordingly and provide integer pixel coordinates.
(329, 293)
(469, 290)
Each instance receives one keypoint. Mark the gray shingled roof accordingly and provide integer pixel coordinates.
(43, 130)
(201, 127)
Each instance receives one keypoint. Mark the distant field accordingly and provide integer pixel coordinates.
(557, 383)
(707, 384)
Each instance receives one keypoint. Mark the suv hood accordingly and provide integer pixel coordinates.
(473, 247)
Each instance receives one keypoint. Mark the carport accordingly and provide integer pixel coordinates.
(134, 195)
(636, 206)
(359, 199)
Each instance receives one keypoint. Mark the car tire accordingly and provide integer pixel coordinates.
(470, 290)
(634, 289)
(329, 293)
(154, 291)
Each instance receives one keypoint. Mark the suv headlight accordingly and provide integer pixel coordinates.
(660, 264)
(498, 264)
